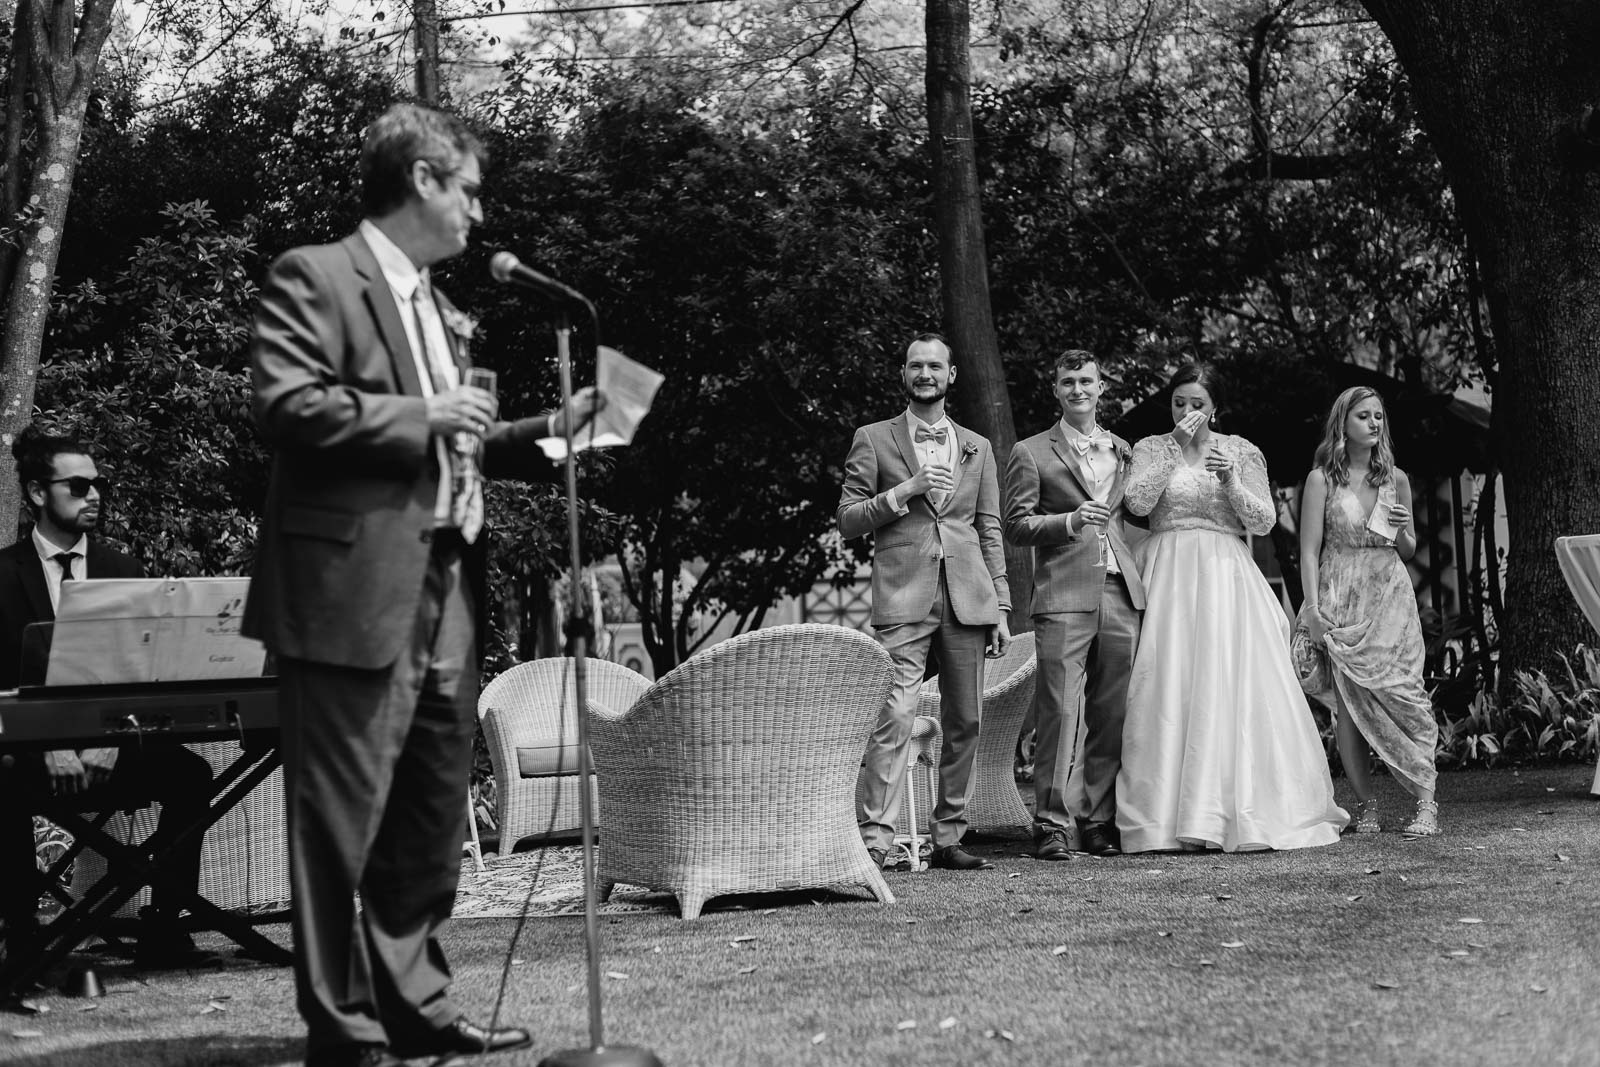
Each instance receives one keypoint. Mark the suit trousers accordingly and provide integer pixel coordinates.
(1080, 700)
(177, 778)
(376, 765)
(883, 770)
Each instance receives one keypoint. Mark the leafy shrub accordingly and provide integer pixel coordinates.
(1545, 720)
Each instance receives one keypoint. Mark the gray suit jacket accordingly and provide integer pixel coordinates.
(1044, 485)
(349, 515)
(964, 533)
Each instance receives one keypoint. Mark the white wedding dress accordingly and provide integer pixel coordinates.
(1219, 749)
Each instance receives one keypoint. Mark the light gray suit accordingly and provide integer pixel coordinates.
(938, 580)
(1086, 629)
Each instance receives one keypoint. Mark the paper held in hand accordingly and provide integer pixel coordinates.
(629, 388)
(1379, 522)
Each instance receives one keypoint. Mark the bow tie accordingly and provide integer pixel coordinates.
(925, 434)
(1100, 441)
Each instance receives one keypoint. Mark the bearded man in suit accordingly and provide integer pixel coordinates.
(1064, 492)
(62, 488)
(927, 490)
(368, 587)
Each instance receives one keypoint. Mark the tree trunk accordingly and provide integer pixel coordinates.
(963, 258)
(63, 65)
(1501, 86)
(425, 13)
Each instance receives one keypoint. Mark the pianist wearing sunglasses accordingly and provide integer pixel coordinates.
(64, 491)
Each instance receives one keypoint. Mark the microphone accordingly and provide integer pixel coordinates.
(509, 270)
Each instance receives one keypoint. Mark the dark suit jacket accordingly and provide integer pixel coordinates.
(345, 533)
(25, 599)
(908, 550)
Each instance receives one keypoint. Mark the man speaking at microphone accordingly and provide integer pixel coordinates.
(368, 587)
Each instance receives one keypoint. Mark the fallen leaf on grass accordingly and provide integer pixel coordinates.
(1563, 859)
(906, 1024)
(1540, 988)
(1224, 896)
(1546, 813)
(1474, 944)
(1470, 920)
(213, 1006)
(1354, 898)
(1403, 878)
(618, 975)
(1024, 911)
(1458, 952)
(1384, 983)
(1207, 963)
(25, 1034)
(1014, 874)
(745, 940)
(747, 970)
(1059, 950)
(1091, 900)
(1374, 870)
(1163, 933)
(1518, 830)
(1232, 944)
(947, 1023)
(1004, 1035)
(817, 1039)
(33, 1007)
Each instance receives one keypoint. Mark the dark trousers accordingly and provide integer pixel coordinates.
(376, 765)
(174, 776)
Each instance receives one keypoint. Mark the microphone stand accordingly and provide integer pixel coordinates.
(580, 632)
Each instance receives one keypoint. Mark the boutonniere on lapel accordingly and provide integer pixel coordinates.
(463, 326)
(968, 450)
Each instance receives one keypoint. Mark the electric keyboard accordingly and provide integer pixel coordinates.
(82, 716)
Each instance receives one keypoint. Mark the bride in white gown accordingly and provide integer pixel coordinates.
(1219, 749)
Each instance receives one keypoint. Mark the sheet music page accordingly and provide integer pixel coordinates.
(151, 630)
(630, 388)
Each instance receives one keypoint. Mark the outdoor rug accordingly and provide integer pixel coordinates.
(507, 884)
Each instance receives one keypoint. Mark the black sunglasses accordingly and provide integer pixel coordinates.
(80, 486)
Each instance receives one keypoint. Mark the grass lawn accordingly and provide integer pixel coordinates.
(1354, 954)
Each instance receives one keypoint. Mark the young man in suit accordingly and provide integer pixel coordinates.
(61, 486)
(368, 587)
(926, 489)
(1064, 498)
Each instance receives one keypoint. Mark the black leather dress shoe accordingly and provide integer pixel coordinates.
(351, 1056)
(956, 858)
(1099, 840)
(1052, 845)
(466, 1036)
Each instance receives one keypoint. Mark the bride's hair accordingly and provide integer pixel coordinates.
(1333, 457)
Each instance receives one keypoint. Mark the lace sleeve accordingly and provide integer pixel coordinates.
(1154, 459)
(1249, 491)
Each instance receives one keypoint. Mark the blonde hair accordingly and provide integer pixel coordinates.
(1333, 456)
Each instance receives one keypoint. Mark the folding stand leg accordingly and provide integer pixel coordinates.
(473, 846)
(914, 846)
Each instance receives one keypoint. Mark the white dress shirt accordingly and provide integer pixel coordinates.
(929, 452)
(1097, 459)
(403, 278)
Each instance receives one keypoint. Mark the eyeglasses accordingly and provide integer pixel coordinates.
(80, 486)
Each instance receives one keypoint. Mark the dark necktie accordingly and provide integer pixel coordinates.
(65, 559)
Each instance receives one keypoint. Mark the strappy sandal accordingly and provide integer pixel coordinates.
(1367, 817)
(1426, 822)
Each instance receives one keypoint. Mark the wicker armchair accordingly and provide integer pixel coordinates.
(736, 772)
(994, 803)
(530, 722)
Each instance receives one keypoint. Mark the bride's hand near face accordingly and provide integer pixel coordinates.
(1187, 427)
